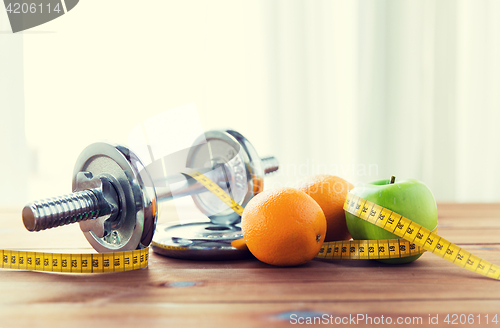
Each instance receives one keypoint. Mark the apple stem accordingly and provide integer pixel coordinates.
(393, 179)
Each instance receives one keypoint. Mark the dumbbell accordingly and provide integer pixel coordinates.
(115, 197)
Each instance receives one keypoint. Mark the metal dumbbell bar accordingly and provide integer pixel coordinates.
(115, 199)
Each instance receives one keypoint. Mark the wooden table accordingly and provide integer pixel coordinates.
(252, 294)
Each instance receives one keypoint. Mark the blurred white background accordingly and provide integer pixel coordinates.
(359, 89)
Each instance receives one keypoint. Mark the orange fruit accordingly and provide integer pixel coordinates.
(283, 227)
(240, 244)
(330, 192)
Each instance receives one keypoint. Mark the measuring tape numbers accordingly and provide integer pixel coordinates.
(75, 263)
(368, 249)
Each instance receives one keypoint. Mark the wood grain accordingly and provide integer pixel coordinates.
(249, 293)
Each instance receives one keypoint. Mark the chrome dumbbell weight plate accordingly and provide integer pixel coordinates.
(243, 170)
(135, 224)
(244, 176)
(203, 240)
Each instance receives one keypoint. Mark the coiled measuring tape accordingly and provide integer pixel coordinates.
(75, 263)
(415, 238)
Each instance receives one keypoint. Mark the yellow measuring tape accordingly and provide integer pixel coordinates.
(368, 249)
(420, 236)
(415, 238)
(216, 190)
(75, 263)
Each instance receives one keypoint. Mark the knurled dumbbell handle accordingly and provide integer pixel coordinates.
(63, 210)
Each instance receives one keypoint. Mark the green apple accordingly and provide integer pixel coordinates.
(409, 198)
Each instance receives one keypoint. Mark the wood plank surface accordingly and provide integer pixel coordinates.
(249, 293)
